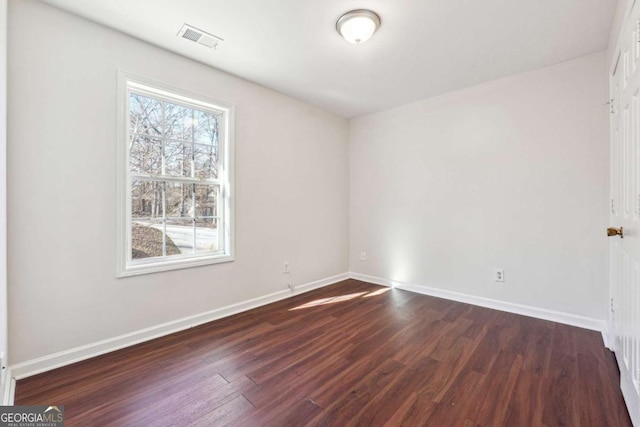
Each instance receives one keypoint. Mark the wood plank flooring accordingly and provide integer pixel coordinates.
(348, 354)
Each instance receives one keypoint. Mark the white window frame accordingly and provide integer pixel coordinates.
(126, 266)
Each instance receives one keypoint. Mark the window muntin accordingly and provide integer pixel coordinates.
(178, 194)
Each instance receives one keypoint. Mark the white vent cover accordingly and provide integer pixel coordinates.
(195, 35)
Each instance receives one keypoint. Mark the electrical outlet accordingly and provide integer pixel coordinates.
(285, 267)
(498, 275)
(363, 256)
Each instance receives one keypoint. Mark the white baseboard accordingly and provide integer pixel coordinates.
(9, 389)
(67, 357)
(525, 310)
(605, 338)
(373, 279)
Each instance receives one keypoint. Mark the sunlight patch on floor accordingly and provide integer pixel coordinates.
(340, 298)
(378, 292)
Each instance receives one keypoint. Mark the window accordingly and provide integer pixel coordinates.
(175, 179)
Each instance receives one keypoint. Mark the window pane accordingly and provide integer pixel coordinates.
(177, 157)
(179, 122)
(206, 200)
(146, 155)
(179, 200)
(146, 239)
(145, 115)
(206, 235)
(146, 199)
(205, 161)
(206, 128)
(180, 231)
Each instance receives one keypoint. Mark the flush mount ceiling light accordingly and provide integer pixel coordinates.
(358, 26)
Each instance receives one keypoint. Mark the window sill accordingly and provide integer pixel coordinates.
(136, 269)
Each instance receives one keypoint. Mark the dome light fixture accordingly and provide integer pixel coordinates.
(358, 25)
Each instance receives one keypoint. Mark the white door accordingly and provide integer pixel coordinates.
(625, 211)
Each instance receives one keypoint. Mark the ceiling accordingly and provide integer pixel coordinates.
(423, 48)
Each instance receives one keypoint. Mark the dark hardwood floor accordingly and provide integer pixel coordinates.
(348, 354)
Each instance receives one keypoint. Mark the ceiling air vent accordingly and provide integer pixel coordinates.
(195, 35)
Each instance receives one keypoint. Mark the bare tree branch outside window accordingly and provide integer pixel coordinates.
(174, 165)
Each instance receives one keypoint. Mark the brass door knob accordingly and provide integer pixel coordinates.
(612, 231)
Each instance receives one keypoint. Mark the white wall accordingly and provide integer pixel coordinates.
(3, 184)
(291, 197)
(510, 174)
